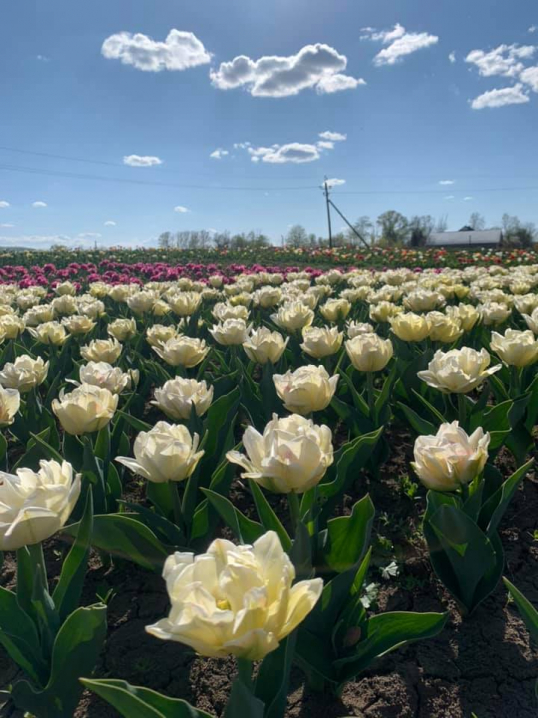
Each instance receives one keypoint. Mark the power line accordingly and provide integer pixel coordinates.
(124, 180)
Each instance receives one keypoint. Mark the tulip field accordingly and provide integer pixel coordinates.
(272, 491)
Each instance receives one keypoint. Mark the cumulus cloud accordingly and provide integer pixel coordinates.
(334, 182)
(110, 223)
(452, 57)
(399, 43)
(181, 210)
(241, 145)
(504, 60)
(4, 204)
(446, 182)
(318, 67)
(219, 154)
(467, 199)
(39, 204)
(141, 161)
(325, 145)
(533, 28)
(180, 51)
(294, 152)
(530, 77)
(332, 136)
(7, 225)
(500, 98)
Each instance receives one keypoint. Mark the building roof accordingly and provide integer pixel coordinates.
(472, 237)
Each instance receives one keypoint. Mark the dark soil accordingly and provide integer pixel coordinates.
(482, 664)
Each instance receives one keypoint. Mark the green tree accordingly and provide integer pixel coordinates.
(394, 227)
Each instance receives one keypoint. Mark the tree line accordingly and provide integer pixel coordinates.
(389, 229)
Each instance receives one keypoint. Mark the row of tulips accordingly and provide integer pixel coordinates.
(255, 373)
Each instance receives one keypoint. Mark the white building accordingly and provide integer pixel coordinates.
(466, 238)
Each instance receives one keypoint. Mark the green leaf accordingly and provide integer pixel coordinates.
(219, 425)
(420, 425)
(433, 411)
(242, 702)
(528, 613)
(133, 421)
(273, 678)
(66, 595)
(358, 401)
(244, 528)
(268, 518)
(134, 702)
(349, 536)
(386, 632)
(19, 637)
(468, 550)
(127, 538)
(75, 652)
(493, 510)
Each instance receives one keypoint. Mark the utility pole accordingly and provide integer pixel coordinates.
(327, 202)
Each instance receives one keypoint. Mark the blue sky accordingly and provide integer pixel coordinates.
(422, 92)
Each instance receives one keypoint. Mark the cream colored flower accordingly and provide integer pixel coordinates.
(235, 600)
(38, 315)
(532, 320)
(308, 388)
(292, 455)
(122, 329)
(108, 350)
(11, 326)
(369, 352)
(423, 300)
(24, 373)
(10, 401)
(263, 346)
(494, 313)
(160, 333)
(184, 303)
(466, 314)
(383, 311)
(293, 316)
(268, 297)
(515, 348)
(230, 332)
(451, 458)
(160, 308)
(108, 377)
(49, 333)
(141, 302)
(93, 309)
(444, 329)
(177, 397)
(65, 288)
(458, 371)
(356, 328)
(34, 505)
(410, 327)
(78, 324)
(64, 305)
(319, 342)
(165, 453)
(335, 310)
(223, 310)
(183, 351)
(86, 409)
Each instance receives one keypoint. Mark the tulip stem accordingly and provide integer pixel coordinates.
(176, 503)
(38, 561)
(244, 671)
(462, 411)
(515, 381)
(370, 393)
(295, 510)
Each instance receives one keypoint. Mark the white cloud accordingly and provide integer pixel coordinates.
(141, 161)
(7, 225)
(4, 204)
(39, 204)
(332, 136)
(399, 43)
(467, 199)
(533, 28)
(241, 145)
(452, 57)
(294, 152)
(314, 66)
(504, 60)
(89, 235)
(334, 182)
(336, 83)
(325, 145)
(450, 196)
(33, 241)
(530, 77)
(499, 98)
(110, 223)
(219, 154)
(181, 210)
(446, 182)
(43, 58)
(179, 51)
